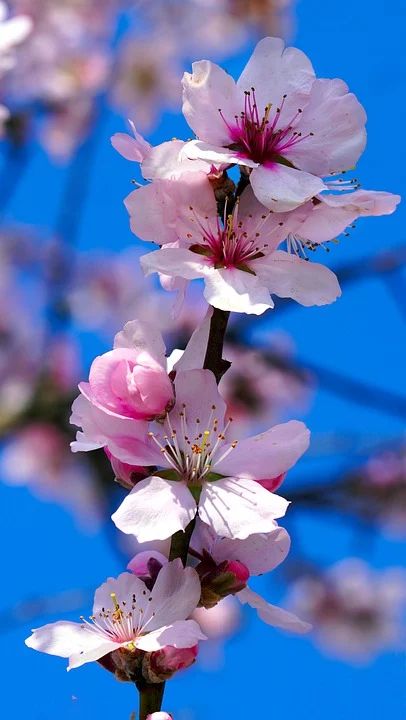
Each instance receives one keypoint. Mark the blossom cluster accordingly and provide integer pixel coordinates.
(202, 499)
(78, 52)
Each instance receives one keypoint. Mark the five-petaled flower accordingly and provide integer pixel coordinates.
(287, 128)
(126, 614)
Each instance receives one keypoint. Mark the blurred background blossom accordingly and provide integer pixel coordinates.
(71, 75)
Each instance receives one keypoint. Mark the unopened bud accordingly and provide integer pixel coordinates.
(159, 716)
(218, 581)
(272, 484)
(163, 664)
(126, 475)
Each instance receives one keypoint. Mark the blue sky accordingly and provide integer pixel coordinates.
(266, 674)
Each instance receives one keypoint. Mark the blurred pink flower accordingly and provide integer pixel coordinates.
(38, 457)
(356, 611)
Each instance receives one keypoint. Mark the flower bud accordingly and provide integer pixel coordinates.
(218, 581)
(159, 716)
(126, 475)
(272, 484)
(163, 664)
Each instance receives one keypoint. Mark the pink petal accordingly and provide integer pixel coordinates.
(270, 453)
(330, 217)
(139, 563)
(271, 614)
(282, 188)
(337, 121)
(289, 276)
(142, 337)
(126, 438)
(134, 149)
(155, 509)
(275, 71)
(237, 507)
(205, 91)
(198, 397)
(193, 356)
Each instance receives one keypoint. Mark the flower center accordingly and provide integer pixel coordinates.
(261, 139)
(191, 451)
(122, 622)
(230, 243)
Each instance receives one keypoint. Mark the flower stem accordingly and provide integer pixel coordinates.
(151, 696)
(214, 354)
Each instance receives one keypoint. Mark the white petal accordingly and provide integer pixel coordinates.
(68, 639)
(271, 614)
(124, 587)
(155, 509)
(289, 276)
(181, 634)
(175, 595)
(177, 262)
(260, 553)
(237, 291)
(214, 154)
(237, 508)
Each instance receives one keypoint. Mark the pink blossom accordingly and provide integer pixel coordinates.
(127, 615)
(286, 127)
(131, 381)
(206, 471)
(356, 611)
(238, 259)
(159, 716)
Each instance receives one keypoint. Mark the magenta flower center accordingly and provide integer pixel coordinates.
(233, 243)
(263, 139)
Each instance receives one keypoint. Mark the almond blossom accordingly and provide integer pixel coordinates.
(285, 126)
(202, 469)
(126, 614)
(238, 259)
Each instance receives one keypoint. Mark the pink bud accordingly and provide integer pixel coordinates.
(159, 716)
(239, 570)
(272, 484)
(169, 660)
(128, 475)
